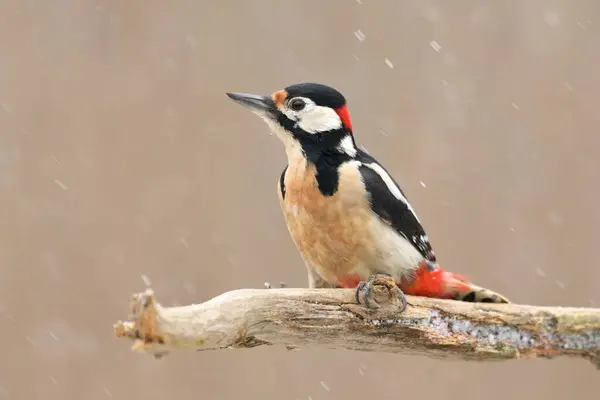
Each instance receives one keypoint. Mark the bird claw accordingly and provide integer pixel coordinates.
(365, 290)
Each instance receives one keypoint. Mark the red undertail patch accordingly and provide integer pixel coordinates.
(436, 283)
(427, 282)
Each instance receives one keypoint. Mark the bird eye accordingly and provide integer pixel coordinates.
(297, 104)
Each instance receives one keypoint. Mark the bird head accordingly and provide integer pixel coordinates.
(311, 116)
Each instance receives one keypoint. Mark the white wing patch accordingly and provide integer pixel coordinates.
(391, 186)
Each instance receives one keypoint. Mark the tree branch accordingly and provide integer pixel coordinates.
(332, 318)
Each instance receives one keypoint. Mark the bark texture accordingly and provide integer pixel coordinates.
(332, 318)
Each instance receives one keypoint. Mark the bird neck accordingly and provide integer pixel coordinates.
(328, 146)
(320, 159)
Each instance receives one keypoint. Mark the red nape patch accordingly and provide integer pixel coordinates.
(437, 284)
(344, 116)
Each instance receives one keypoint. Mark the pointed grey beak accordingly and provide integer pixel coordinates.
(253, 101)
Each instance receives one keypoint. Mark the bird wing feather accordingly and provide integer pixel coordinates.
(391, 205)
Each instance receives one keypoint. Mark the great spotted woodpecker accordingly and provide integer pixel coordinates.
(347, 216)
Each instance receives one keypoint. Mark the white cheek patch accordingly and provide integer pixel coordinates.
(319, 119)
(391, 186)
(314, 119)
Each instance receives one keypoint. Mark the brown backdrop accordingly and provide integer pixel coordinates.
(120, 156)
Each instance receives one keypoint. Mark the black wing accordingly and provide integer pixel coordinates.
(393, 210)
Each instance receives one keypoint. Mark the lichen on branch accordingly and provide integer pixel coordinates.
(331, 318)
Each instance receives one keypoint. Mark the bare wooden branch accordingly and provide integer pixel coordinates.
(331, 318)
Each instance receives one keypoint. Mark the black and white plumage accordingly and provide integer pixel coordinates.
(346, 214)
(389, 202)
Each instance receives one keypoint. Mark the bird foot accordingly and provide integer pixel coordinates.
(365, 291)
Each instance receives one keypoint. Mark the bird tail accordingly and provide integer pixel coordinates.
(430, 280)
(473, 293)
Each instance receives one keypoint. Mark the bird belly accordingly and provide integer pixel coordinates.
(344, 241)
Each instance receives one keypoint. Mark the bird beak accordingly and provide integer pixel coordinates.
(253, 101)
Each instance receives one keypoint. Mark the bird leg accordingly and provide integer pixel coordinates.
(364, 290)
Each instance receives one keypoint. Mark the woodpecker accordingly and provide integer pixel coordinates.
(349, 219)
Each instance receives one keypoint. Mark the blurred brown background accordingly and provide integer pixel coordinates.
(120, 156)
